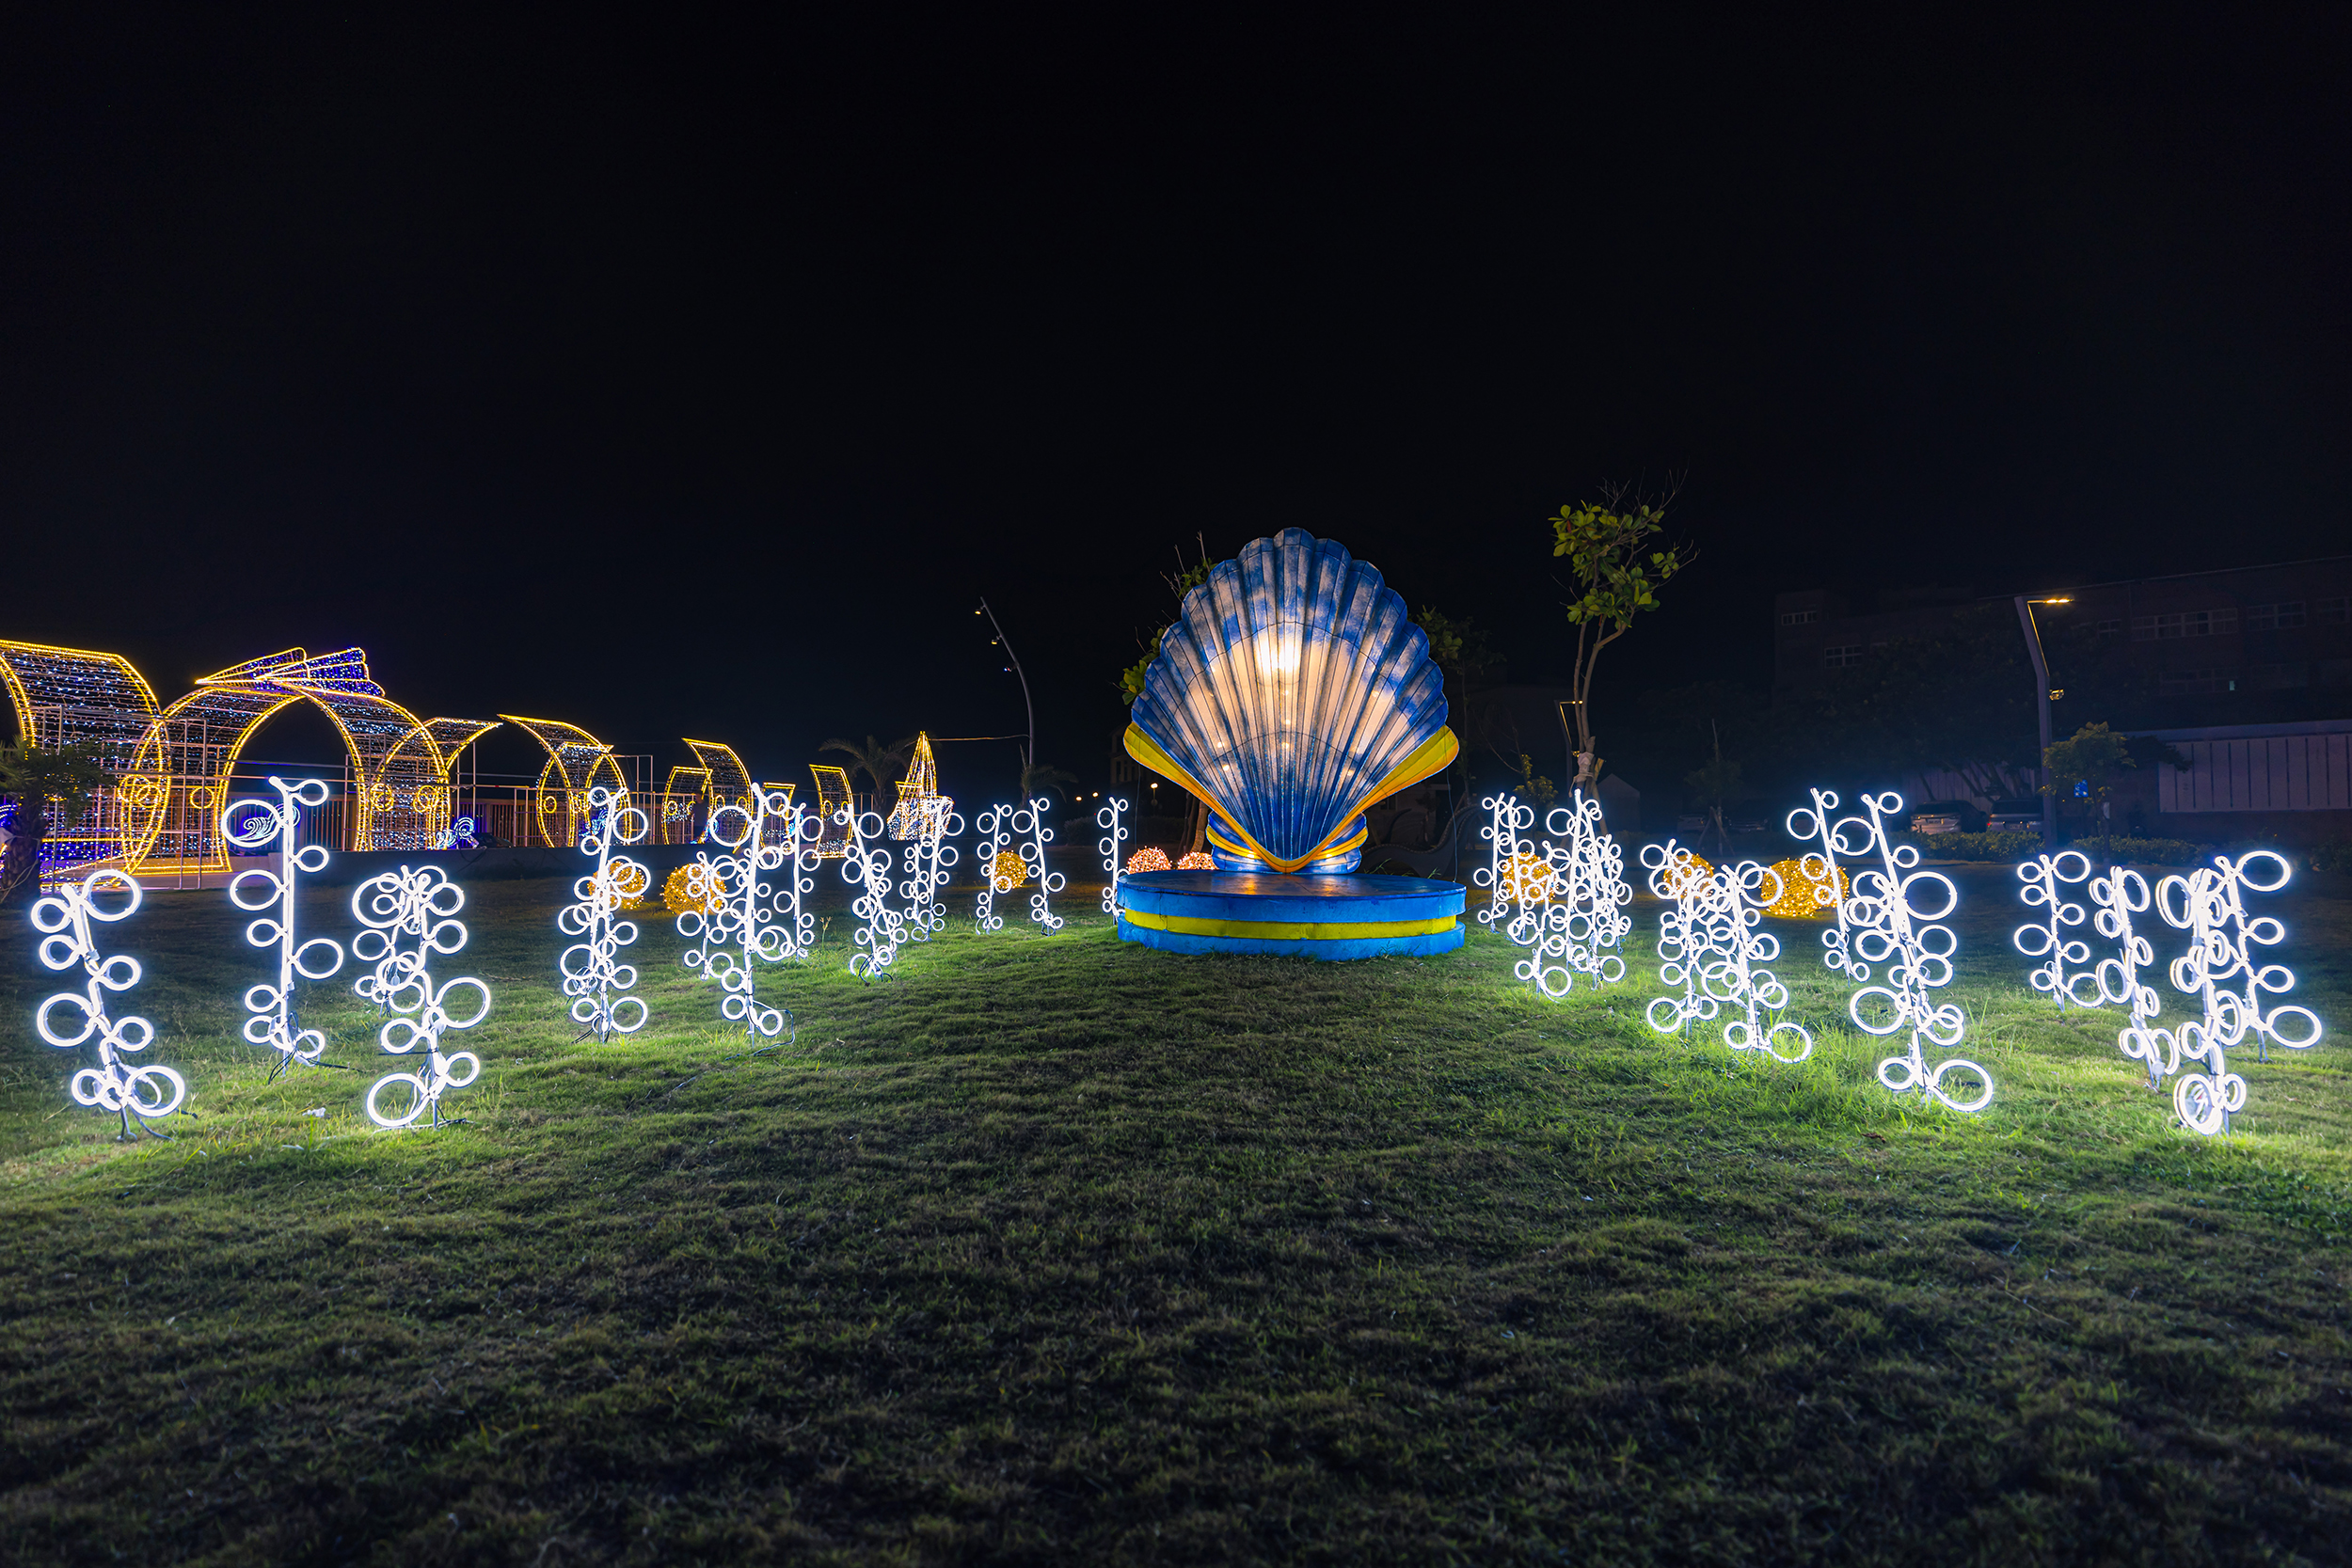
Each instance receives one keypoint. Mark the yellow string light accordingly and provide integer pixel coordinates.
(1674, 876)
(679, 892)
(1010, 871)
(1150, 858)
(1197, 860)
(1801, 898)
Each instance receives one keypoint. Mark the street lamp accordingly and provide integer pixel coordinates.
(2043, 694)
(1028, 758)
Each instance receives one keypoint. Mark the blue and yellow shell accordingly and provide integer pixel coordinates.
(1292, 691)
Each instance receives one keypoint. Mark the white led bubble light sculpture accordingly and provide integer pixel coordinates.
(734, 925)
(2046, 879)
(593, 974)
(1032, 822)
(2210, 903)
(1111, 818)
(2121, 895)
(1571, 899)
(1814, 825)
(408, 915)
(255, 825)
(132, 1091)
(866, 863)
(1893, 910)
(1505, 868)
(417, 904)
(994, 826)
(926, 862)
(1715, 950)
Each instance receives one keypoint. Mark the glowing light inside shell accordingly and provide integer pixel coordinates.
(255, 826)
(134, 1091)
(2210, 905)
(593, 977)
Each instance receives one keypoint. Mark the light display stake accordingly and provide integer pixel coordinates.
(1111, 818)
(1571, 901)
(927, 860)
(1715, 951)
(408, 915)
(1032, 822)
(255, 825)
(1891, 925)
(743, 919)
(2121, 895)
(1506, 820)
(2210, 903)
(133, 1092)
(592, 974)
(1684, 939)
(866, 863)
(1830, 884)
(994, 826)
(2046, 878)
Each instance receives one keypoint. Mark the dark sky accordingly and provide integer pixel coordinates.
(684, 377)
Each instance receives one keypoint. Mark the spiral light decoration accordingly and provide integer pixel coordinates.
(593, 974)
(2121, 895)
(1891, 913)
(256, 825)
(1111, 818)
(1714, 949)
(2046, 879)
(735, 921)
(134, 1092)
(2210, 905)
(1830, 884)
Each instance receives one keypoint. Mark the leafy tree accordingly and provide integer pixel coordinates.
(882, 764)
(1961, 699)
(1716, 782)
(50, 784)
(2095, 757)
(1616, 580)
(1179, 582)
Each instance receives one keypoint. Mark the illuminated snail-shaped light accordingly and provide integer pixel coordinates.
(593, 974)
(136, 1092)
(256, 825)
(1111, 818)
(1892, 914)
(2221, 970)
(735, 923)
(2062, 973)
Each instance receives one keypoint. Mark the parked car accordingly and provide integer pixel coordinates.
(1931, 816)
(1934, 822)
(2014, 817)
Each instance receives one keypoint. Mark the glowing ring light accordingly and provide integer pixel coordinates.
(592, 973)
(738, 919)
(2210, 903)
(1110, 818)
(256, 825)
(2046, 877)
(134, 1092)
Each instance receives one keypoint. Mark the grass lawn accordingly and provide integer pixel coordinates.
(1052, 1249)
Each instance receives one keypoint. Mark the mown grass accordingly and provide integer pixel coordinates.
(1052, 1249)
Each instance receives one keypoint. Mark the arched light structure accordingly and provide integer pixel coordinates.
(1111, 818)
(136, 1092)
(255, 826)
(685, 794)
(836, 810)
(2046, 879)
(2221, 970)
(577, 763)
(409, 916)
(919, 798)
(742, 928)
(1892, 914)
(593, 977)
(77, 697)
(2121, 895)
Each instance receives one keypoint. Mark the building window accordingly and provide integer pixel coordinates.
(2182, 683)
(1837, 658)
(2279, 677)
(2335, 672)
(1799, 617)
(2185, 623)
(2107, 628)
(2335, 611)
(2273, 617)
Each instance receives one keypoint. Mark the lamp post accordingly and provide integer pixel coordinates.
(2042, 693)
(1028, 758)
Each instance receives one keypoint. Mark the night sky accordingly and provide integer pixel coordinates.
(687, 379)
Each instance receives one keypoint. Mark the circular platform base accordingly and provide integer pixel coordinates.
(1346, 916)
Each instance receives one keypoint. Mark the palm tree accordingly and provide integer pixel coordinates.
(875, 760)
(1044, 778)
(50, 784)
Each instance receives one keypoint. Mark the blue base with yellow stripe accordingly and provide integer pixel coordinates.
(1343, 916)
